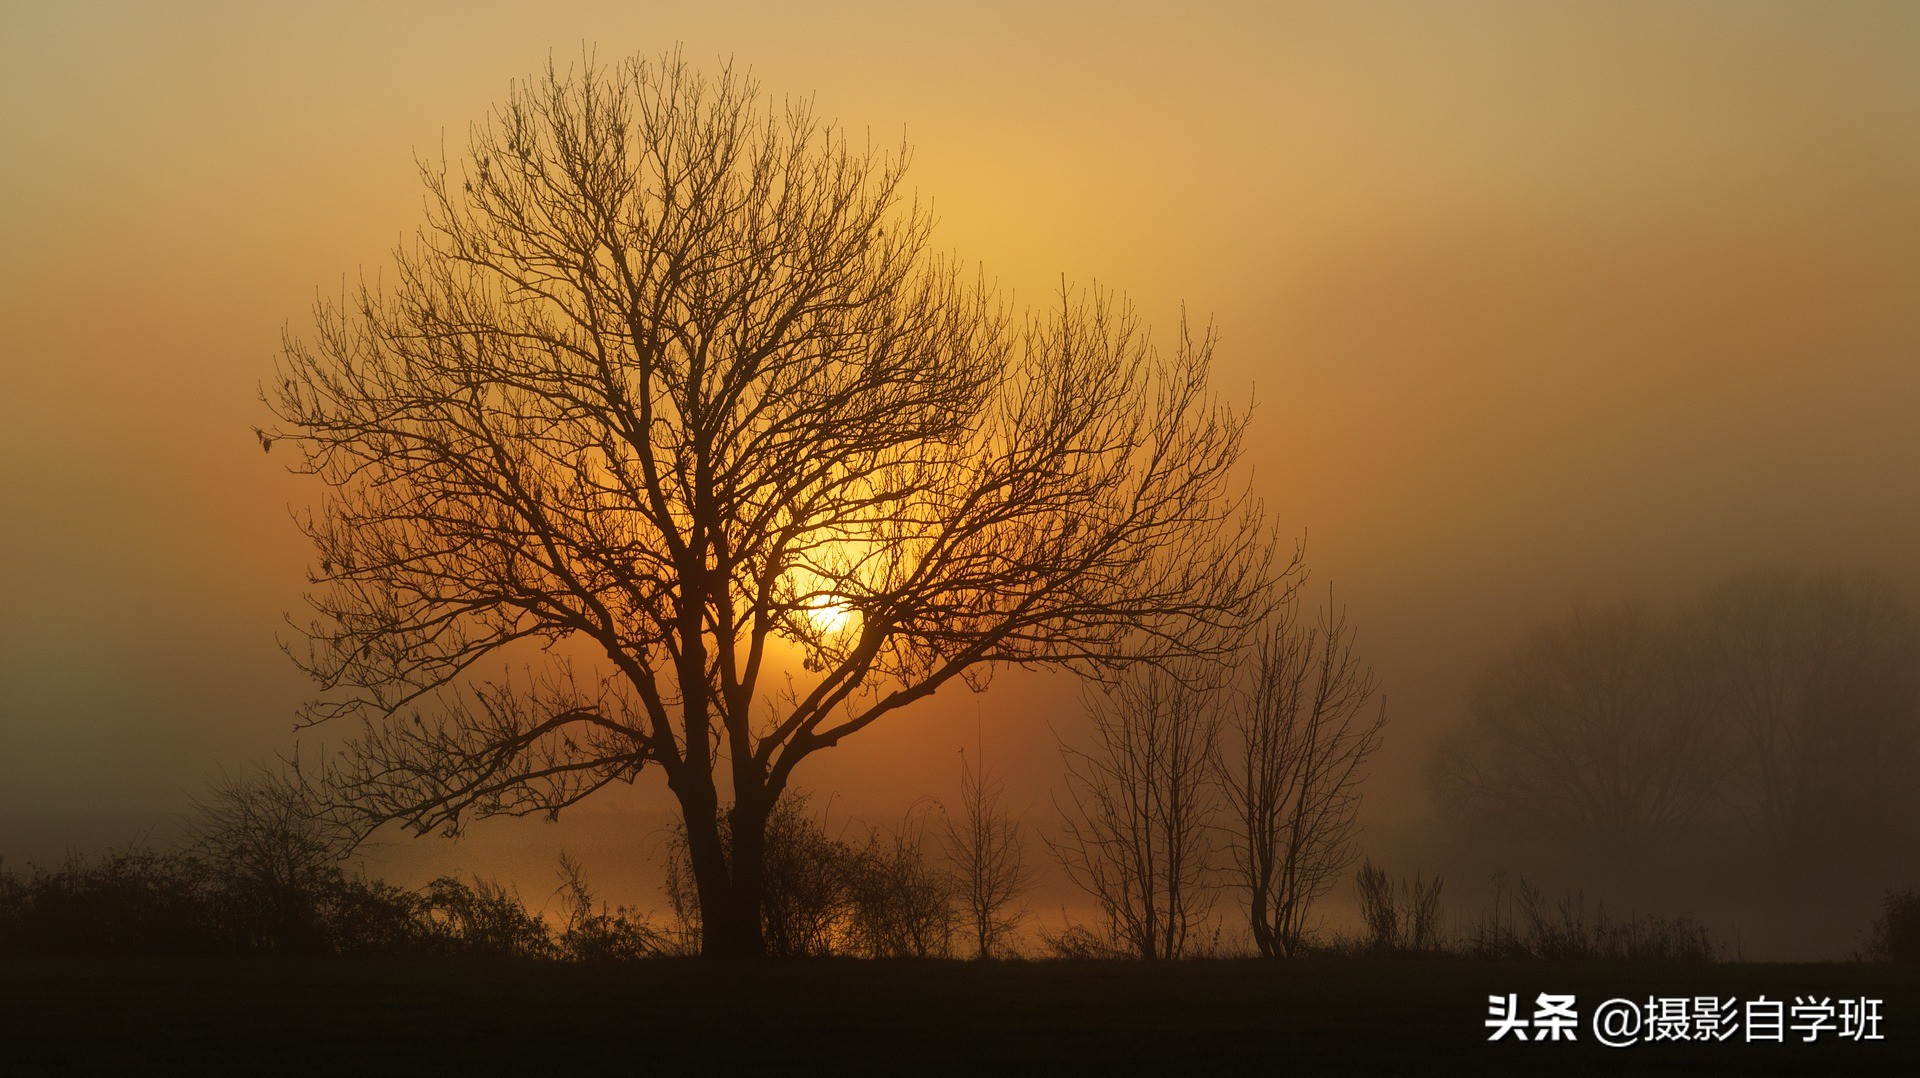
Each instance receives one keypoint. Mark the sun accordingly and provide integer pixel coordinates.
(828, 614)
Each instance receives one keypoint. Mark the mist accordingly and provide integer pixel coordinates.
(1538, 305)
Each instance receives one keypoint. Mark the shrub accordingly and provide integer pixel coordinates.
(1402, 916)
(903, 907)
(1895, 936)
(587, 935)
(1534, 927)
(1077, 942)
(822, 896)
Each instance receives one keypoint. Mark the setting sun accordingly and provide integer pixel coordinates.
(829, 616)
(526, 518)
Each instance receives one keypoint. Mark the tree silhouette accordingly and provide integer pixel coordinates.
(1819, 682)
(1290, 768)
(671, 444)
(1599, 731)
(1789, 701)
(1140, 807)
(277, 850)
(985, 846)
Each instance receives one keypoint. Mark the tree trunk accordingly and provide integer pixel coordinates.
(730, 926)
(1261, 922)
(741, 931)
(728, 889)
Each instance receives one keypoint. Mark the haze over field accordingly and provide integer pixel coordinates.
(1537, 302)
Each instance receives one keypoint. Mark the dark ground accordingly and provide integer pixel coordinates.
(1366, 1016)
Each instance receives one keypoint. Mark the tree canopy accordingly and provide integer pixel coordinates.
(673, 444)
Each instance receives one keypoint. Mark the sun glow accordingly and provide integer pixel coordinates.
(828, 614)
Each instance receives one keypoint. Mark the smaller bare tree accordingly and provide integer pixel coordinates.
(1291, 768)
(986, 847)
(1140, 808)
(269, 827)
(275, 851)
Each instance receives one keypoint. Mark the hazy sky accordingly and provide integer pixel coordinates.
(1538, 300)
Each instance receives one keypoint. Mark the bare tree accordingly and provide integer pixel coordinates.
(1792, 700)
(810, 882)
(986, 847)
(1290, 765)
(277, 853)
(269, 827)
(668, 398)
(1819, 682)
(1140, 805)
(1599, 732)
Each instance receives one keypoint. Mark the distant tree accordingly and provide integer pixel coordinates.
(1791, 701)
(1819, 683)
(1140, 807)
(987, 851)
(276, 851)
(669, 397)
(1600, 731)
(269, 824)
(1290, 764)
(1895, 935)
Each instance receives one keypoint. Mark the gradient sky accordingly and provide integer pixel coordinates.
(1538, 301)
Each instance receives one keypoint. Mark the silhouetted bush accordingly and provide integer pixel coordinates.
(131, 901)
(1078, 942)
(603, 935)
(823, 896)
(1533, 927)
(367, 916)
(903, 907)
(142, 902)
(1895, 935)
(1402, 916)
(481, 918)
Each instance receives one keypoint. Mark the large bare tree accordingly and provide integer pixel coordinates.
(1290, 765)
(669, 443)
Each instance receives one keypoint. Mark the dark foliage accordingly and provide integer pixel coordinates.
(1528, 925)
(825, 896)
(143, 902)
(1402, 916)
(1895, 936)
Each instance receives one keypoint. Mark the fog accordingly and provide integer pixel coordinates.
(1537, 303)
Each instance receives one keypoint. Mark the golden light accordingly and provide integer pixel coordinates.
(828, 615)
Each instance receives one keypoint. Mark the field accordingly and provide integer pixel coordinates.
(1384, 1016)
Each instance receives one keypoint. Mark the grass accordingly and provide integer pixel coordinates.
(258, 1014)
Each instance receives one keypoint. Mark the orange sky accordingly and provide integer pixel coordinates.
(1539, 301)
